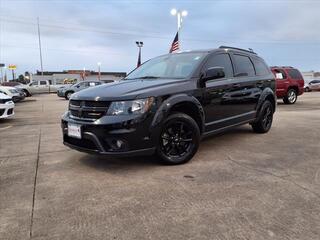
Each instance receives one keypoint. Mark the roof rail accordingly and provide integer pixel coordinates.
(282, 67)
(240, 49)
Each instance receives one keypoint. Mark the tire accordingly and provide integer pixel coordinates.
(265, 118)
(68, 95)
(26, 93)
(179, 139)
(307, 89)
(291, 96)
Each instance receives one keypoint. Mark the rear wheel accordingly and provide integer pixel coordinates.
(265, 118)
(179, 139)
(291, 97)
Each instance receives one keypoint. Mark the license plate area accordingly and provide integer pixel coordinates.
(74, 130)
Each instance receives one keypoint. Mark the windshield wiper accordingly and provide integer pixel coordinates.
(147, 77)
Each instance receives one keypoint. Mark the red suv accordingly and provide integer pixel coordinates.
(289, 82)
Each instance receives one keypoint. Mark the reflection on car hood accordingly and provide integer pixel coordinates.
(131, 89)
(4, 96)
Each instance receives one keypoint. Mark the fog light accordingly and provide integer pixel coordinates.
(117, 144)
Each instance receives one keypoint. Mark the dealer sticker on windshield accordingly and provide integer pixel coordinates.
(74, 130)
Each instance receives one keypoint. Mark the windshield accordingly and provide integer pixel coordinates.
(168, 66)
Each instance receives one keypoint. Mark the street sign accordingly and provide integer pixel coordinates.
(2, 65)
(12, 67)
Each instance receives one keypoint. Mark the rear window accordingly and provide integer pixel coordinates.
(243, 65)
(279, 74)
(294, 74)
(261, 68)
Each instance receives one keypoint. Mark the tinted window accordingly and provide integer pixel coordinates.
(244, 65)
(43, 83)
(315, 81)
(221, 60)
(34, 83)
(261, 68)
(294, 73)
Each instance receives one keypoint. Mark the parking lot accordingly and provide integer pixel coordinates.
(240, 185)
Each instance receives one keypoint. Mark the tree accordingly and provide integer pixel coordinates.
(21, 78)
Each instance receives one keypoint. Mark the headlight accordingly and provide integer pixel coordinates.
(133, 107)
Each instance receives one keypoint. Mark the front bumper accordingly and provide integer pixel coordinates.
(6, 110)
(101, 136)
(60, 93)
(18, 98)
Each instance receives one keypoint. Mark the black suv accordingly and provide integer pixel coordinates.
(169, 103)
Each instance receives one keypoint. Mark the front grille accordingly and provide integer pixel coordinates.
(88, 110)
(1, 112)
(83, 143)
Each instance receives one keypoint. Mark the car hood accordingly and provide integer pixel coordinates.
(132, 89)
(4, 96)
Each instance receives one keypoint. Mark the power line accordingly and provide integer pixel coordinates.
(137, 34)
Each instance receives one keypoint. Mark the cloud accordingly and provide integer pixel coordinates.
(81, 33)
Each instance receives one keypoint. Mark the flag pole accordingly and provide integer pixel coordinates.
(180, 15)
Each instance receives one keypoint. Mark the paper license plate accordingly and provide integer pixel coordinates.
(74, 130)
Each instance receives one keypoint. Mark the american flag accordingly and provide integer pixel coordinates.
(175, 44)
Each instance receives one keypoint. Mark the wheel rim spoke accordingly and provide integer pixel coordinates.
(176, 139)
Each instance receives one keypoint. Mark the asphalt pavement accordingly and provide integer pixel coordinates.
(240, 185)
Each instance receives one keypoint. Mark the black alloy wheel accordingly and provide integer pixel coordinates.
(179, 139)
(264, 122)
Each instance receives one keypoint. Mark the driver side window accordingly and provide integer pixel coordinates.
(220, 60)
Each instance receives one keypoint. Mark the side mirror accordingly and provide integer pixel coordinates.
(213, 73)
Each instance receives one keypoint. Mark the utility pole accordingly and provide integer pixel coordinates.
(39, 37)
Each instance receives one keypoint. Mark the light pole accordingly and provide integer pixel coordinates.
(84, 74)
(40, 50)
(99, 72)
(180, 14)
(139, 45)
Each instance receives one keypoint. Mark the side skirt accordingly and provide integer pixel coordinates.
(219, 130)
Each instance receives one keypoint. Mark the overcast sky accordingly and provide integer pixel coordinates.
(77, 34)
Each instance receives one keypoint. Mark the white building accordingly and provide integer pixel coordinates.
(310, 75)
(76, 76)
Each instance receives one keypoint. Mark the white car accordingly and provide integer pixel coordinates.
(6, 106)
(12, 92)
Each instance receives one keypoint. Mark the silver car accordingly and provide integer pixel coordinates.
(67, 91)
(314, 85)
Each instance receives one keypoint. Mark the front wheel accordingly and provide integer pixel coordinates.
(26, 93)
(68, 95)
(179, 139)
(265, 118)
(291, 97)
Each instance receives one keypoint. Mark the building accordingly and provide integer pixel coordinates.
(76, 76)
(310, 75)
